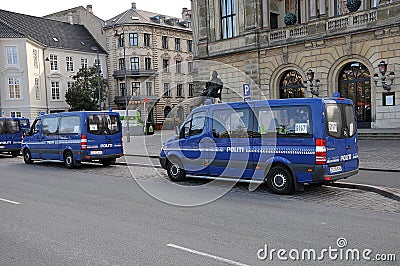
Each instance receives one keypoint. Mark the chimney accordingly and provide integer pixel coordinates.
(133, 5)
(70, 18)
(89, 8)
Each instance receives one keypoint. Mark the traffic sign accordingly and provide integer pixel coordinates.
(246, 92)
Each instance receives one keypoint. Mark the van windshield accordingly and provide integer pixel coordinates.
(103, 124)
(340, 120)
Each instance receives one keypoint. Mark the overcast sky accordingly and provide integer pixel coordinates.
(102, 8)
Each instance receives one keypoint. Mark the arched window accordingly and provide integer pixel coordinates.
(355, 84)
(167, 109)
(291, 85)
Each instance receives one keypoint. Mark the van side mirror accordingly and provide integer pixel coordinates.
(177, 130)
(26, 131)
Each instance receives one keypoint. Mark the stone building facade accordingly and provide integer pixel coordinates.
(247, 41)
(150, 60)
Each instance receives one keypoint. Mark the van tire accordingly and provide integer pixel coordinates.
(27, 157)
(175, 171)
(280, 180)
(69, 160)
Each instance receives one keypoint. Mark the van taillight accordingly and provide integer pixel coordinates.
(320, 151)
(83, 142)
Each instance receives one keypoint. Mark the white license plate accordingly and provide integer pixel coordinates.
(96, 152)
(335, 169)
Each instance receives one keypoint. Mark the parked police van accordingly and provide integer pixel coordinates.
(284, 143)
(74, 137)
(11, 134)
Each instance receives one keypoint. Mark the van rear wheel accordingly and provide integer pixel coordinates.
(27, 156)
(69, 160)
(175, 172)
(280, 180)
(107, 162)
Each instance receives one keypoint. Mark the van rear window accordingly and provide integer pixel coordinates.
(12, 126)
(340, 120)
(103, 124)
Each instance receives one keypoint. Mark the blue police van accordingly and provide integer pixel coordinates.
(74, 137)
(11, 134)
(285, 143)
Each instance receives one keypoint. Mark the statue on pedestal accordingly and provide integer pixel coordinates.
(213, 87)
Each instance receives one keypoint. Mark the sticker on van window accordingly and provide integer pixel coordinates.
(93, 127)
(300, 128)
(76, 129)
(351, 128)
(332, 127)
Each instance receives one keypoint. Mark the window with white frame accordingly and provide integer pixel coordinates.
(146, 37)
(228, 18)
(84, 63)
(35, 58)
(135, 88)
(147, 63)
(37, 89)
(15, 114)
(135, 63)
(149, 88)
(177, 44)
(53, 62)
(14, 88)
(55, 90)
(12, 55)
(70, 63)
(178, 66)
(70, 84)
(133, 39)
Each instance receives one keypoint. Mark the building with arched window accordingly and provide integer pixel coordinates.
(274, 43)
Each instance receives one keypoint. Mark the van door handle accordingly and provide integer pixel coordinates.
(109, 140)
(348, 147)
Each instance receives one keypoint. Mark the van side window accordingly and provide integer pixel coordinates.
(231, 123)
(12, 126)
(334, 120)
(70, 125)
(194, 126)
(36, 127)
(50, 126)
(286, 120)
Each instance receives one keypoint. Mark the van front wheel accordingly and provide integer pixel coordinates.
(27, 156)
(175, 172)
(69, 160)
(280, 180)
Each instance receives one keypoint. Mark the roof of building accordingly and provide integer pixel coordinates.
(135, 16)
(50, 33)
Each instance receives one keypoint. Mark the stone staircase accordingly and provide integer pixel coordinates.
(382, 134)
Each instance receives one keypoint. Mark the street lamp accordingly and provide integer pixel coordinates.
(128, 137)
(95, 48)
(310, 83)
(382, 69)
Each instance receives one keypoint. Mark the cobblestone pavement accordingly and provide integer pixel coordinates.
(373, 154)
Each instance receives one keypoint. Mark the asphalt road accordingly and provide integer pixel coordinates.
(101, 216)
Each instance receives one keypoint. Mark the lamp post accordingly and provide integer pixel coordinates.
(314, 87)
(382, 69)
(95, 48)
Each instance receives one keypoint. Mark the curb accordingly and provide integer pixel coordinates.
(380, 170)
(379, 190)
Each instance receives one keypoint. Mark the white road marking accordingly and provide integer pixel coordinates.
(10, 201)
(231, 262)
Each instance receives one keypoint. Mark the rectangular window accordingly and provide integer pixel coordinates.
(149, 88)
(70, 84)
(190, 46)
(14, 124)
(164, 42)
(147, 62)
(133, 39)
(190, 67)
(37, 89)
(12, 55)
(35, 58)
(70, 63)
(50, 125)
(191, 90)
(122, 89)
(70, 125)
(165, 65)
(53, 62)
(55, 90)
(121, 40)
(146, 39)
(177, 44)
(179, 90)
(84, 63)
(194, 126)
(167, 92)
(14, 88)
(228, 18)
(103, 124)
(135, 63)
(135, 88)
(178, 67)
(121, 63)
(231, 123)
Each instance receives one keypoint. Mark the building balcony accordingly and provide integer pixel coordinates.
(136, 99)
(120, 74)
